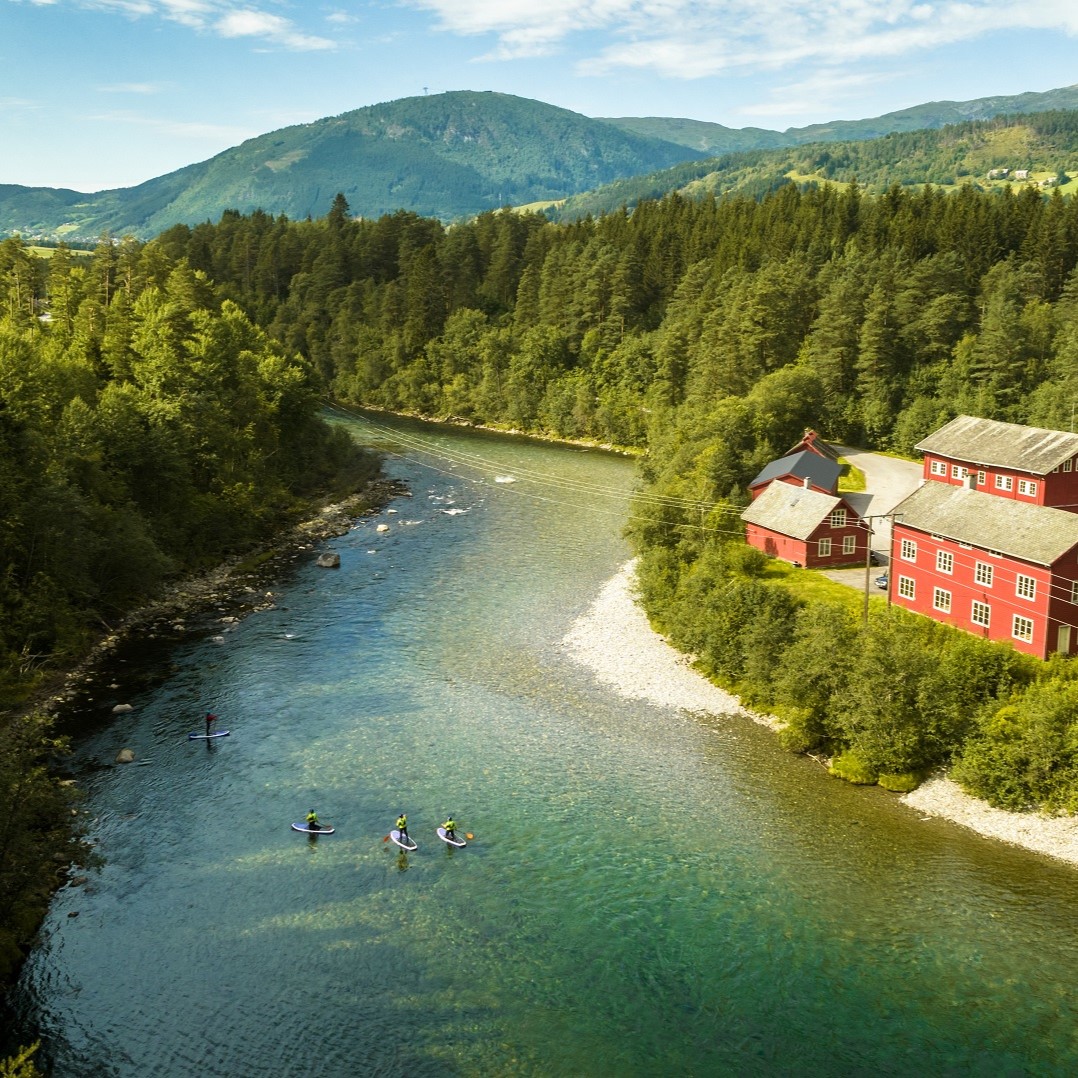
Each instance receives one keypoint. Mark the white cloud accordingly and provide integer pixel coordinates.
(218, 133)
(131, 88)
(698, 38)
(227, 18)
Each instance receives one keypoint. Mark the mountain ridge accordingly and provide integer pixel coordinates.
(449, 156)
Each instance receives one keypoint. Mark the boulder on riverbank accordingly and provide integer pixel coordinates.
(329, 560)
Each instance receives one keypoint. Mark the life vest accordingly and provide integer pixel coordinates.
(312, 819)
(402, 823)
(450, 825)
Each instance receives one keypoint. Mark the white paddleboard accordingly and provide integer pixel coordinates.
(322, 829)
(450, 841)
(208, 737)
(404, 844)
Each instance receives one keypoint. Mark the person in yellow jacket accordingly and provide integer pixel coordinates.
(449, 826)
(312, 821)
(402, 826)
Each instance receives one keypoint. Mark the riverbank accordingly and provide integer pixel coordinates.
(617, 643)
(226, 593)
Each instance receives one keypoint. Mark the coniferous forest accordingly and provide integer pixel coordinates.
(159, 410)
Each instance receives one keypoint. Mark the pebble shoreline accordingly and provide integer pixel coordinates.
(617, 643)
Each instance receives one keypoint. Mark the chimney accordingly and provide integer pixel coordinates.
(806, 483)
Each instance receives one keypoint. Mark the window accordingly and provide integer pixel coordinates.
(1026, 587)
(981, 479)
(824, 548)
(905, 587)
(1023, 628)
(983, 574)
(944, 561)
(1067, 465)
(958, 472)
(909, 550)
(838, 518)
(1074, 591)
(1004, 482)
(938, 467)
(849, 544)
(1028, 487)
(941, 600)
(981, 614)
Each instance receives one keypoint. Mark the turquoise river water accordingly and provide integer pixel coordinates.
(647, 892)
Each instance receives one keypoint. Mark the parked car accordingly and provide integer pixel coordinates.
(881, 581)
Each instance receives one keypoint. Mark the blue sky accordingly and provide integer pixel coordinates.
(109, 93)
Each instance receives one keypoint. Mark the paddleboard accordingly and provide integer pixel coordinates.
(396, 837)
(450, 841)
(208, 737)
(322, 829)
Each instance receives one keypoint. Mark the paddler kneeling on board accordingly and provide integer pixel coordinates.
(449, 826)
(402, 826)
(312, 821)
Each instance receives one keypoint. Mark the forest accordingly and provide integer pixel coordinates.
(159, 410)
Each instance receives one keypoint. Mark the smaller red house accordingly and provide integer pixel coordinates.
(805, 526)
(1025, 464)
(800, 469)
(812, 442)
(1002, 569)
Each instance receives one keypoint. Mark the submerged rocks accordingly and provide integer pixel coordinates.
(125, 756)
(330, 560)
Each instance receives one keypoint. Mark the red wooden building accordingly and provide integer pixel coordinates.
(804, 468)
(802, 525)
(1004, 569)
(1026, 464)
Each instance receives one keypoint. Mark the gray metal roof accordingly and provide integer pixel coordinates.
(1033, 533)
(794, 511)
(1003, 445)
(804, 465)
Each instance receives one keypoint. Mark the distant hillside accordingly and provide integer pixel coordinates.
(456, 154)
(1040, 149)
(714, 139)
(446, 155)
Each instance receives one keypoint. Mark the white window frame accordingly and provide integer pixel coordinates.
(837, 519)
(982, 478)
(849, 544)
(1004, 482)
(909, 550)
(958, 472)
(1068, 464)
(823, 547)
(941, 600)
(1025, 587)
(1022, 628)
(945, 562)
(981, 614)
(1027, 487)
(983, 573)
(1074, 591)
(938, 467)
(907, 588)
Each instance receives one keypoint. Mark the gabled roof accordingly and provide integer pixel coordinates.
(790, 510)
(1033, 533)
(1002, 445)
(811, 441)
(804, 465)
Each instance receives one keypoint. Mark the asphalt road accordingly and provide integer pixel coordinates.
(888, 481)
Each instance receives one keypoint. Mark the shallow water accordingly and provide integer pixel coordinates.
(647, 892)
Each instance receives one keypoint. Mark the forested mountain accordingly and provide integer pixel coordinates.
(1044, 144)
(447, 155)
(714, 139)
(454, 155)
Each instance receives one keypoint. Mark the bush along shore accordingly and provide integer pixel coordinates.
(616, 641)
(42, 846)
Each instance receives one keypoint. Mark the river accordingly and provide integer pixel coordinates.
(647, 892)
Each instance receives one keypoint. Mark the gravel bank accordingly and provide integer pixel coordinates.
(616, 642)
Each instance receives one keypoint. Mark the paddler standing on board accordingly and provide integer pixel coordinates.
(211, 718)
(312, 821)
(450, 825)
(402, 827)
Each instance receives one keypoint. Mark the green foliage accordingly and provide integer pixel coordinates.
(852, 767)
(21, 1065)
(902, 783)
